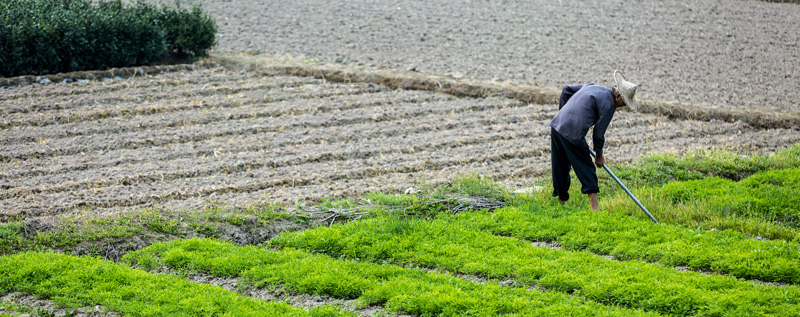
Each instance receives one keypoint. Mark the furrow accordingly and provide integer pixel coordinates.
(260, 179)
(243, 123)
(144, 84)
(396, 182)
(506, 119)
(254, 159)
(137, 105)
(154, 119)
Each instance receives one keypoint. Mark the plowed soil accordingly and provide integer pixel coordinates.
(184, 139)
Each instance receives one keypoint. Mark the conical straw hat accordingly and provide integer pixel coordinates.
(627, 90)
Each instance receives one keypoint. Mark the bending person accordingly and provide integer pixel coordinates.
(581, 107)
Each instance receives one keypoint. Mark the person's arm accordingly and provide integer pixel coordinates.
(567, 93)
(605, 112)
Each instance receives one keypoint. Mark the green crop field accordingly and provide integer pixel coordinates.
(723, 248)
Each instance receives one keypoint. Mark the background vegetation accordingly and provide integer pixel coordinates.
(50, 36)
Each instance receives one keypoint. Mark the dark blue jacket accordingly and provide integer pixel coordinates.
(581, 107)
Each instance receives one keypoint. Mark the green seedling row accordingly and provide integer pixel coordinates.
(448, 243)
(629, 238)
(77, 282)
(658, 170)
(772, 195)
(402, 290)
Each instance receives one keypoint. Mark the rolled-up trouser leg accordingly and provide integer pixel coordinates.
(559, 162)
(583, 166)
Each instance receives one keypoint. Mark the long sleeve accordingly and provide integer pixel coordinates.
(567, 93)
(591, 105)
(605, 112)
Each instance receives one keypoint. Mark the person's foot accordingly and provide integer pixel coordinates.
(561, 202)
(593, 201)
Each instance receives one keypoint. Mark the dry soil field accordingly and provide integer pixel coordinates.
(235, 137)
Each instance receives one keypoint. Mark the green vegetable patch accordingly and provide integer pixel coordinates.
(402, 290)
(87, 281)
(771, 195)
(629, 238)
(450, 243)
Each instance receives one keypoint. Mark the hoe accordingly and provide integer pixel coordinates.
(605, 166)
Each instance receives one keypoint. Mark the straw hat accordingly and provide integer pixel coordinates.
(626, 90)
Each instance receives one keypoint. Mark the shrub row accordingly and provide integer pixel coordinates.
(771, 195)
(452, 245)
(629, 238)
(402, 290)
(50, 36)
(86, 281)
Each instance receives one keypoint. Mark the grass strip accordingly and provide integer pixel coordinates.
(629, 238)
(148, 224)
(87, 281)
(449, 243)
(401, 290)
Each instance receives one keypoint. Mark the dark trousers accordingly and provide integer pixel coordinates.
(565, 155)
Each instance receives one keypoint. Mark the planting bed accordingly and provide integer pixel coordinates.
(217, 135)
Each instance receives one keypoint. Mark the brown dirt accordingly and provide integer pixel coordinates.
(738, 54)
(182, 139)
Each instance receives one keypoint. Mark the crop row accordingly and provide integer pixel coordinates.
(629, 238)
(402, 290)
(454, 245)
(773, 195)
(86, 281)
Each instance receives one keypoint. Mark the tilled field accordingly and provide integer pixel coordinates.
(187, 139)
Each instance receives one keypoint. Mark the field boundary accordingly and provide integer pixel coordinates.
(400, 79)
(270, 65)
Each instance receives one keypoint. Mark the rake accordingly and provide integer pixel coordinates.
(605, 166)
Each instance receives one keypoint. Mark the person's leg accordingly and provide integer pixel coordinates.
(585, 170)
(559, 167)
(593, 201)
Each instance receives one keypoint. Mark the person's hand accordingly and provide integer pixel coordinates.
(600, 160)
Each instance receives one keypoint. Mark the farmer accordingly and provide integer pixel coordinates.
(579, 108)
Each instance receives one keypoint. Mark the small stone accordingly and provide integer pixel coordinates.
(45, 81)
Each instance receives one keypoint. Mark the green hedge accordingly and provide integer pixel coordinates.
(51, 36)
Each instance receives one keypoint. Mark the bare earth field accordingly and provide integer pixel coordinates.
(737, 54)
(234, 137)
